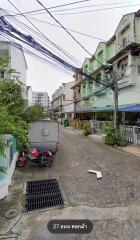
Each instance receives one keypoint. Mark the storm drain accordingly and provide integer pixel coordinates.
(43, 194)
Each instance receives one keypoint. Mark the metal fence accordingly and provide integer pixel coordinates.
(98, 127)
(130, 133)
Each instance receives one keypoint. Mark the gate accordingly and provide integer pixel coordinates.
(131, 134)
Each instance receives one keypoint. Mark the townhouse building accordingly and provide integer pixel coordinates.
(62, 105)
(56, 104)
(117, 58)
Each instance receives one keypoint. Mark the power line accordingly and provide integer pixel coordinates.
(84, 98)
(41, 11)
(84, 34)
(44, 36)
(72, 30)
(97, 10)
(79, 33)
(7, 28)
(65, 29)
(67, 4)
(68, 31)
(32, 53)
(89, 6)
(58, 6)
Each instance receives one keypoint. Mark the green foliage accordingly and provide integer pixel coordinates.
(11, 97)
(113, 137)
(87, 129)
(12, 106)
(3, 63)
(33, 113)
(3, 170)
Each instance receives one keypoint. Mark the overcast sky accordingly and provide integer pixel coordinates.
(101, 24)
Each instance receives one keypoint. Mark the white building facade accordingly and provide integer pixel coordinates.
(15, 58)
(62, 105)
(41, 98)
(67, 99)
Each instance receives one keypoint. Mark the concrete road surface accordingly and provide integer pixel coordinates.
(111, 203)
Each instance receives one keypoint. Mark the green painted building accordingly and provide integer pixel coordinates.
(96, 66)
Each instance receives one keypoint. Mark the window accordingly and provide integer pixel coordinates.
(123, 69)
(125, 41)
(2, 74)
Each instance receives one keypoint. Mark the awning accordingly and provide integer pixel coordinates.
(95, 109)
(130, 108)
(121, 108)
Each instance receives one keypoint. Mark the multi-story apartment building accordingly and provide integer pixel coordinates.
(14, 56)
(41, 98)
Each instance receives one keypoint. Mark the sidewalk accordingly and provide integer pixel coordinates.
(131, 149)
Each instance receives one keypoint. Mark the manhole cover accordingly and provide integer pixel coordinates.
(43, 194)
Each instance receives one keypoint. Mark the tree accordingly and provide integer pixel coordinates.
(12, 106)
(33, 113)
(11, 97)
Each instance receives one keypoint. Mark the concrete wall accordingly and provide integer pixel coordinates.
(9, 162)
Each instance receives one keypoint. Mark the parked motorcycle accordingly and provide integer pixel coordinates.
(35, 156)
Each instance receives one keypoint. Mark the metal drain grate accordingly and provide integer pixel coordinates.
(43, 194)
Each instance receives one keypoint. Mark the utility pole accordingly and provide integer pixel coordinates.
(115, 95)
(61, 107)
(75, 110)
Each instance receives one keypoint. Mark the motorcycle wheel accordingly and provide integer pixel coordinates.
(46, 161)
(20, 163)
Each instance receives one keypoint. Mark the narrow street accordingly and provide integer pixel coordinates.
(111, 203)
